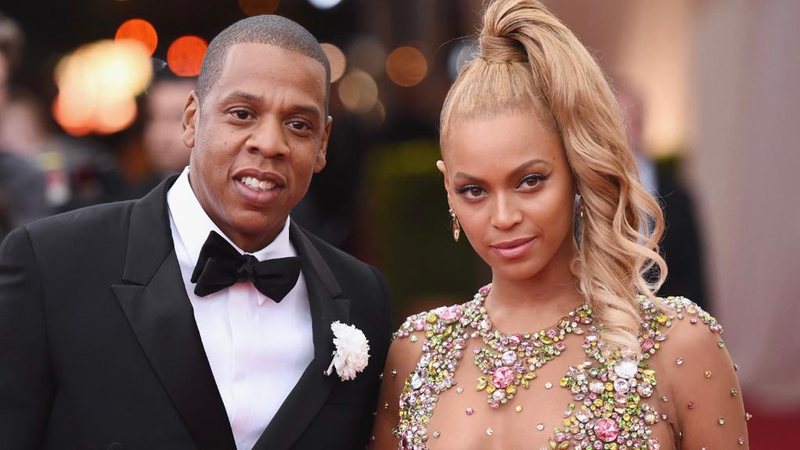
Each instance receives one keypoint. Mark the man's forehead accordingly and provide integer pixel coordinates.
(276, 51)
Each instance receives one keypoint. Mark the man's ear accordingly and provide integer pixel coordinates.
(189, 121)
(322, 153)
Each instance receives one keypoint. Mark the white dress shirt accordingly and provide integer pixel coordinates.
(257, 349)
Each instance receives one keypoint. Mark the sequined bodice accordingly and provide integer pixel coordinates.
(608, 407)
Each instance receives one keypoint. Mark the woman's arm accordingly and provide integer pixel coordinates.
(403, 357)
(697, 369)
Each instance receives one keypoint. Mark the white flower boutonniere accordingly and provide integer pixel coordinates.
(352, 351)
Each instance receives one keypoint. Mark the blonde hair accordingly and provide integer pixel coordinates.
(528, 60)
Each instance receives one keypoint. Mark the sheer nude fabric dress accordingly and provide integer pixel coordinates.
(683, 395)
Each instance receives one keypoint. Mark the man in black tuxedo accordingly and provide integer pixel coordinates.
(200, 317)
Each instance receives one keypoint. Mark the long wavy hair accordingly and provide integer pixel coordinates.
(528, 60)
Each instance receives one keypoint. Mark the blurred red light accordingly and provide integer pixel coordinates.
(139, 30)
(185, 55)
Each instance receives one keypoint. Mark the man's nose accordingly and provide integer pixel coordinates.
(268, 139)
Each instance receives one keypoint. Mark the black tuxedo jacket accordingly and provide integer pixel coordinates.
(99, 348)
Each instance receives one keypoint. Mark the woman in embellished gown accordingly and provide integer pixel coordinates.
(568, 347)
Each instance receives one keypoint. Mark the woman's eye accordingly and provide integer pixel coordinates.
(532, 181)
(471, 191)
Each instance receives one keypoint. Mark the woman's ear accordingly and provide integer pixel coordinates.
(443, 169)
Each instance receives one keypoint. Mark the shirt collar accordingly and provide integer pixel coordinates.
(192, 224)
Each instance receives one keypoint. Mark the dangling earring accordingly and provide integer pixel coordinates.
(577, 229)
(455, 225)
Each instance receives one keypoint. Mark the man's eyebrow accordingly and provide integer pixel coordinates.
(252, 98)
(242, 95)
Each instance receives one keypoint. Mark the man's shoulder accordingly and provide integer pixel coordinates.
(332, 254)
(346, 268)
(85, 218)
(93, 229)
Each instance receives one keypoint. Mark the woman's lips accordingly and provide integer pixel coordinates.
(514, 248)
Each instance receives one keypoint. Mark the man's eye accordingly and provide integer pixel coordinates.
(299, 125)
(241, 114)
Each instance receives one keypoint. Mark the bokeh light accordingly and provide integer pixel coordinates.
(115, 116)
(74, 117)
(367, 53)
(406, 66)
(185, 55)
(324, 4)
(118, 68)
(97, 86)
(139, 30)
(377, 115)
(337, 60)
(358, 91)
(256, 7)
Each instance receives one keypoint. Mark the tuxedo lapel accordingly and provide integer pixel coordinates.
(159, 312)
(313, 388)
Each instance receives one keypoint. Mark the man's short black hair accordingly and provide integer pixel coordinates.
(264, 29)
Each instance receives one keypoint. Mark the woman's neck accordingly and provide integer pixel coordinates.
(532, 304)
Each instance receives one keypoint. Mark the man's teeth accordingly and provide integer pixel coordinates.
(253, 183)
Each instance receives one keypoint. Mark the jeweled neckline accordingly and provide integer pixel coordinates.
(509, 361)
(485, 324)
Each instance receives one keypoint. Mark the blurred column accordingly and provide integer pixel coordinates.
(747, 59)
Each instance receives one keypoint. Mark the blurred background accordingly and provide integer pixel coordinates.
(91, 93)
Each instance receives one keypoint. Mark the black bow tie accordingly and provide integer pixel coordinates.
(220, 266)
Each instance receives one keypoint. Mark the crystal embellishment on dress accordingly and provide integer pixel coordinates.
(606, 429)
(597, 397)
(510, 361)
(626, 368)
